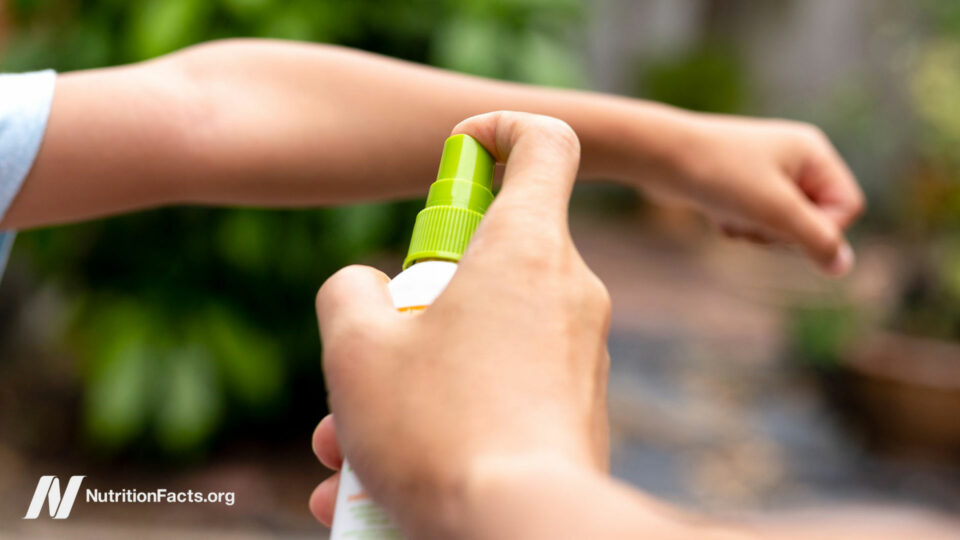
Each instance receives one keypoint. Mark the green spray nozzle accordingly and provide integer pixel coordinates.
(456, 202)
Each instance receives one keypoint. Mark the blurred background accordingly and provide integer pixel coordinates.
(178, 348)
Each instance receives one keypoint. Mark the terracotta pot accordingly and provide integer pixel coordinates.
(903, 393)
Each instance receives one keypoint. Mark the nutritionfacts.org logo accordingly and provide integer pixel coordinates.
(60, 502)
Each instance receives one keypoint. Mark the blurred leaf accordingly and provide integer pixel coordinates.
(247, 239)
(190, 406)
(546, 61)
(935, 87)
(90, 45)
(162, 26)
(27, 52)
(950, 270)
(708, 79)
(288, 24)
(26, 8)
(819, 334)
(309, 20)
(250, 363)
(356, 229)
(246, 9)
(469, 45)
(119, 375)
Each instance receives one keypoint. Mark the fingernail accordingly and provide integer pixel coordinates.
(843, 262)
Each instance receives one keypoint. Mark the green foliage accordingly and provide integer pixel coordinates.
(709, 78)
(160, 26)
(818, 334)
(929, 304)
(526, 40)
(929, 209)
(195, 322)
(935, 87)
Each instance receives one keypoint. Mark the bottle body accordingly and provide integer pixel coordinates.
(356, 515)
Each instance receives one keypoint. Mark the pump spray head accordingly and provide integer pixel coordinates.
(455, 204)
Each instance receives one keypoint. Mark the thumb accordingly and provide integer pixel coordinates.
(356, 297)
(541, 154)
(819, 234)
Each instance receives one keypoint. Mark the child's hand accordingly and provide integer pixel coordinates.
(767, 181)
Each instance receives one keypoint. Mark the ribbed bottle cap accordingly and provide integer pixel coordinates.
(455, 204)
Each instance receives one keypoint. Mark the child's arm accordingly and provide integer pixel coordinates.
(276, 123)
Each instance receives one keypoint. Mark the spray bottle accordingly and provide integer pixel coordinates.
(455, 204)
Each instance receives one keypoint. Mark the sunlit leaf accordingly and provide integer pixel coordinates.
(469, 45)
(247, 239)
(249, 363)
(117, 397)
(162, 26)
(549, 62)
(189, 409)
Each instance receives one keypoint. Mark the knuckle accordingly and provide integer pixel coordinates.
(859, 205)
(830, 241)
(546, 128)
(780, 209)
(560, 133)
(812, 135)
(510, 126)
(801, 132)
(597, 296)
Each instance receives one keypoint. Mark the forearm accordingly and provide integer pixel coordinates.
(370, 127)
(538, 497)
(278, 123)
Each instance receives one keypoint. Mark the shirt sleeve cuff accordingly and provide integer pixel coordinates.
(24, 109)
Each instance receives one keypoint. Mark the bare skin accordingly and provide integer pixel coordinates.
(270, 123)
(474, 437)
(498, 428)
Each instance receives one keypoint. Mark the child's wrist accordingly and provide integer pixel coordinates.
(659, 145)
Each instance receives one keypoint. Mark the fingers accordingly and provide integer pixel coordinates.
(325, 444)
(542, 155)
(816, 232)
(829, 183)
(745, 233)
(355, 297)
(323, 500)
(327, 449)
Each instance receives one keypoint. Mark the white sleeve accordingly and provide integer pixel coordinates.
(24, 108)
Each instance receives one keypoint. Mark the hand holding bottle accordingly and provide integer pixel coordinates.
(508, 365)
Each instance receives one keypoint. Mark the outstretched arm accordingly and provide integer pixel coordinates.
(256, 122)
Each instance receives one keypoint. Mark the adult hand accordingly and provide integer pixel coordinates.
(508, 366)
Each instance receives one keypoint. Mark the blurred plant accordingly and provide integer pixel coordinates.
(709, 78)
(926, 208)
(930, 207)
(193, 322)
(819, 333)
(935, 87)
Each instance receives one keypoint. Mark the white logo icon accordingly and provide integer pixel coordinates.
(49, 488)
